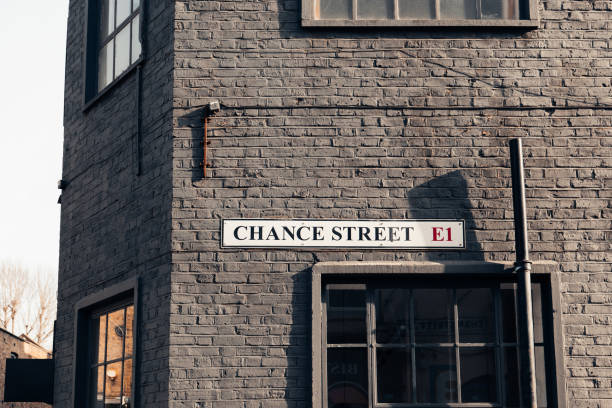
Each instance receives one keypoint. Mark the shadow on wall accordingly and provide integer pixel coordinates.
(447, 197)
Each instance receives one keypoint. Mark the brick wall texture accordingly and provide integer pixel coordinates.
(340, 124)
(114, 224)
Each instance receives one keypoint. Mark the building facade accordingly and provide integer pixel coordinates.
(346, 112)
(13, 347)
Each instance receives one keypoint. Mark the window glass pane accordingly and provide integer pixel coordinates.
(105, 66)
(433, 316)
(129, 332)
(135, 5)
(112, 392)
(478, 382)
(107, 18)
(540, 364)
(375, 9)
(437, 376)
(511, 377)
(347, 378)
(394, 374)
(136, 48)
(116, 333)
(476, 315)
(346, 317)
(393, 316)
(97, 384)
(122, 53)
(101, 326)
(536, 305)
(414, 9)
(492, 9)
(124, 9)
(336, 9)
(463, 9)
(508, 312)
(126, 399)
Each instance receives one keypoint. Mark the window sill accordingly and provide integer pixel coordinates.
(94, 99)
(307, 22)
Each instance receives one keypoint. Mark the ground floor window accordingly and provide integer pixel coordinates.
(112, 351)
(105, 361)
(435, 342)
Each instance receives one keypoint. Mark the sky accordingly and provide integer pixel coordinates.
(32, 49)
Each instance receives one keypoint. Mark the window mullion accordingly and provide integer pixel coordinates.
(396, 9)
(325, 301)
(437, 6)
(371, 330)
(499, 354)
(456, 347)
(354, 17)
(412, 347)
(105, 365)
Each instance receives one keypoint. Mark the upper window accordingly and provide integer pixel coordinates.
(418, 13)
(429, 342)
(113, 42)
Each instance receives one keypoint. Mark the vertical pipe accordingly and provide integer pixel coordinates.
(523, 270)
(205, 145)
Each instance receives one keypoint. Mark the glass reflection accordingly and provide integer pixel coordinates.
(476, 315)
(107, 16)
(478, 374)
(101, 337)
(508, 303)
(126, 398)
(136, 47)
(105, 66)
(122, 52)
(433, 316)
(511, 377)
(460, 9)
(123, 10)
(393, 316)
(394, 374)
(116, 334)
(335, 9)
(347, 378)
(436, 379)
(346, 317)
(375, 9)
(129, 332)
(415, 9)
(112, 391)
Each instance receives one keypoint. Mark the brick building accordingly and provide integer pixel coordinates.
(369, 114)
(12, 346)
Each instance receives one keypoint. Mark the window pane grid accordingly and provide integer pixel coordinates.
(110, 376)
(398, 10)
(492, 351)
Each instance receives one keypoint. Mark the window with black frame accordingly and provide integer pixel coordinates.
(118, 38)
(413, 343)
(111, 357)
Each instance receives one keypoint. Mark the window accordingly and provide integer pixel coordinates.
(106, 348)
(113, 42)
(414, 341)
(112, 356)
(419, 13)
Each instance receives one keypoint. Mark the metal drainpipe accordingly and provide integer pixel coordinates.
(523, 270)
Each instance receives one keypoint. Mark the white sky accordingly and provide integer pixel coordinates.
(32, 53)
